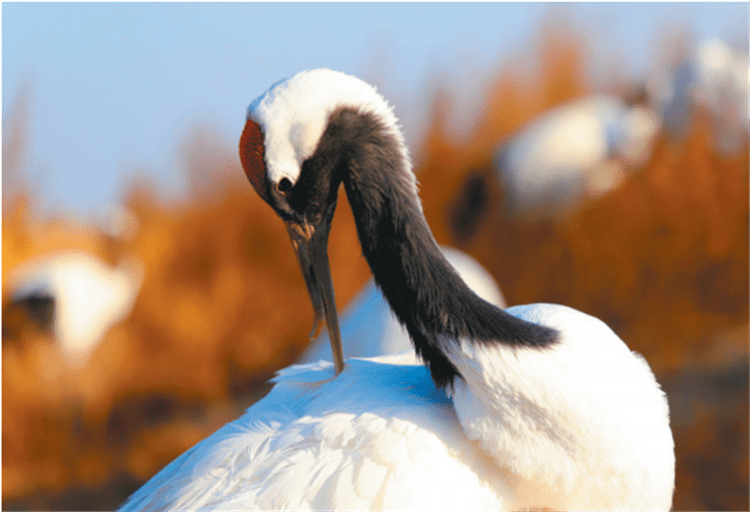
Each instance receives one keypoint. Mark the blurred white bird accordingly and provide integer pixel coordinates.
(529, 407)
(573, 152)
(711, 76)
(369, 328)
(87, 296)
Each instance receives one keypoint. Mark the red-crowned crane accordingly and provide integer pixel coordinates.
(713, 77)
(533, 406)
(572, 153)
(77, 296)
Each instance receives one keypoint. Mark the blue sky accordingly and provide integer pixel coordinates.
(113, 88)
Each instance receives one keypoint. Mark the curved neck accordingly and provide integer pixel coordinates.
(423, 289)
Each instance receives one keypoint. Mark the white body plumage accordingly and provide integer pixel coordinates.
(523, 430)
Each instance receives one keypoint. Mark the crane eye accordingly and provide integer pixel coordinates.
(284, 185)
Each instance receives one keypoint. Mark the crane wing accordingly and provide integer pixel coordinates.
(378, 436)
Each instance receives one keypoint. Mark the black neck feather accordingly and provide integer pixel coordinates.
(423, 289)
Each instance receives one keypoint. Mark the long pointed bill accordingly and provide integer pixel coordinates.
(311, 246)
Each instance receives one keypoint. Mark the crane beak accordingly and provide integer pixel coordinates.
(311, 245)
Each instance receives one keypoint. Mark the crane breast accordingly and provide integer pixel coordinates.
(582, 423)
